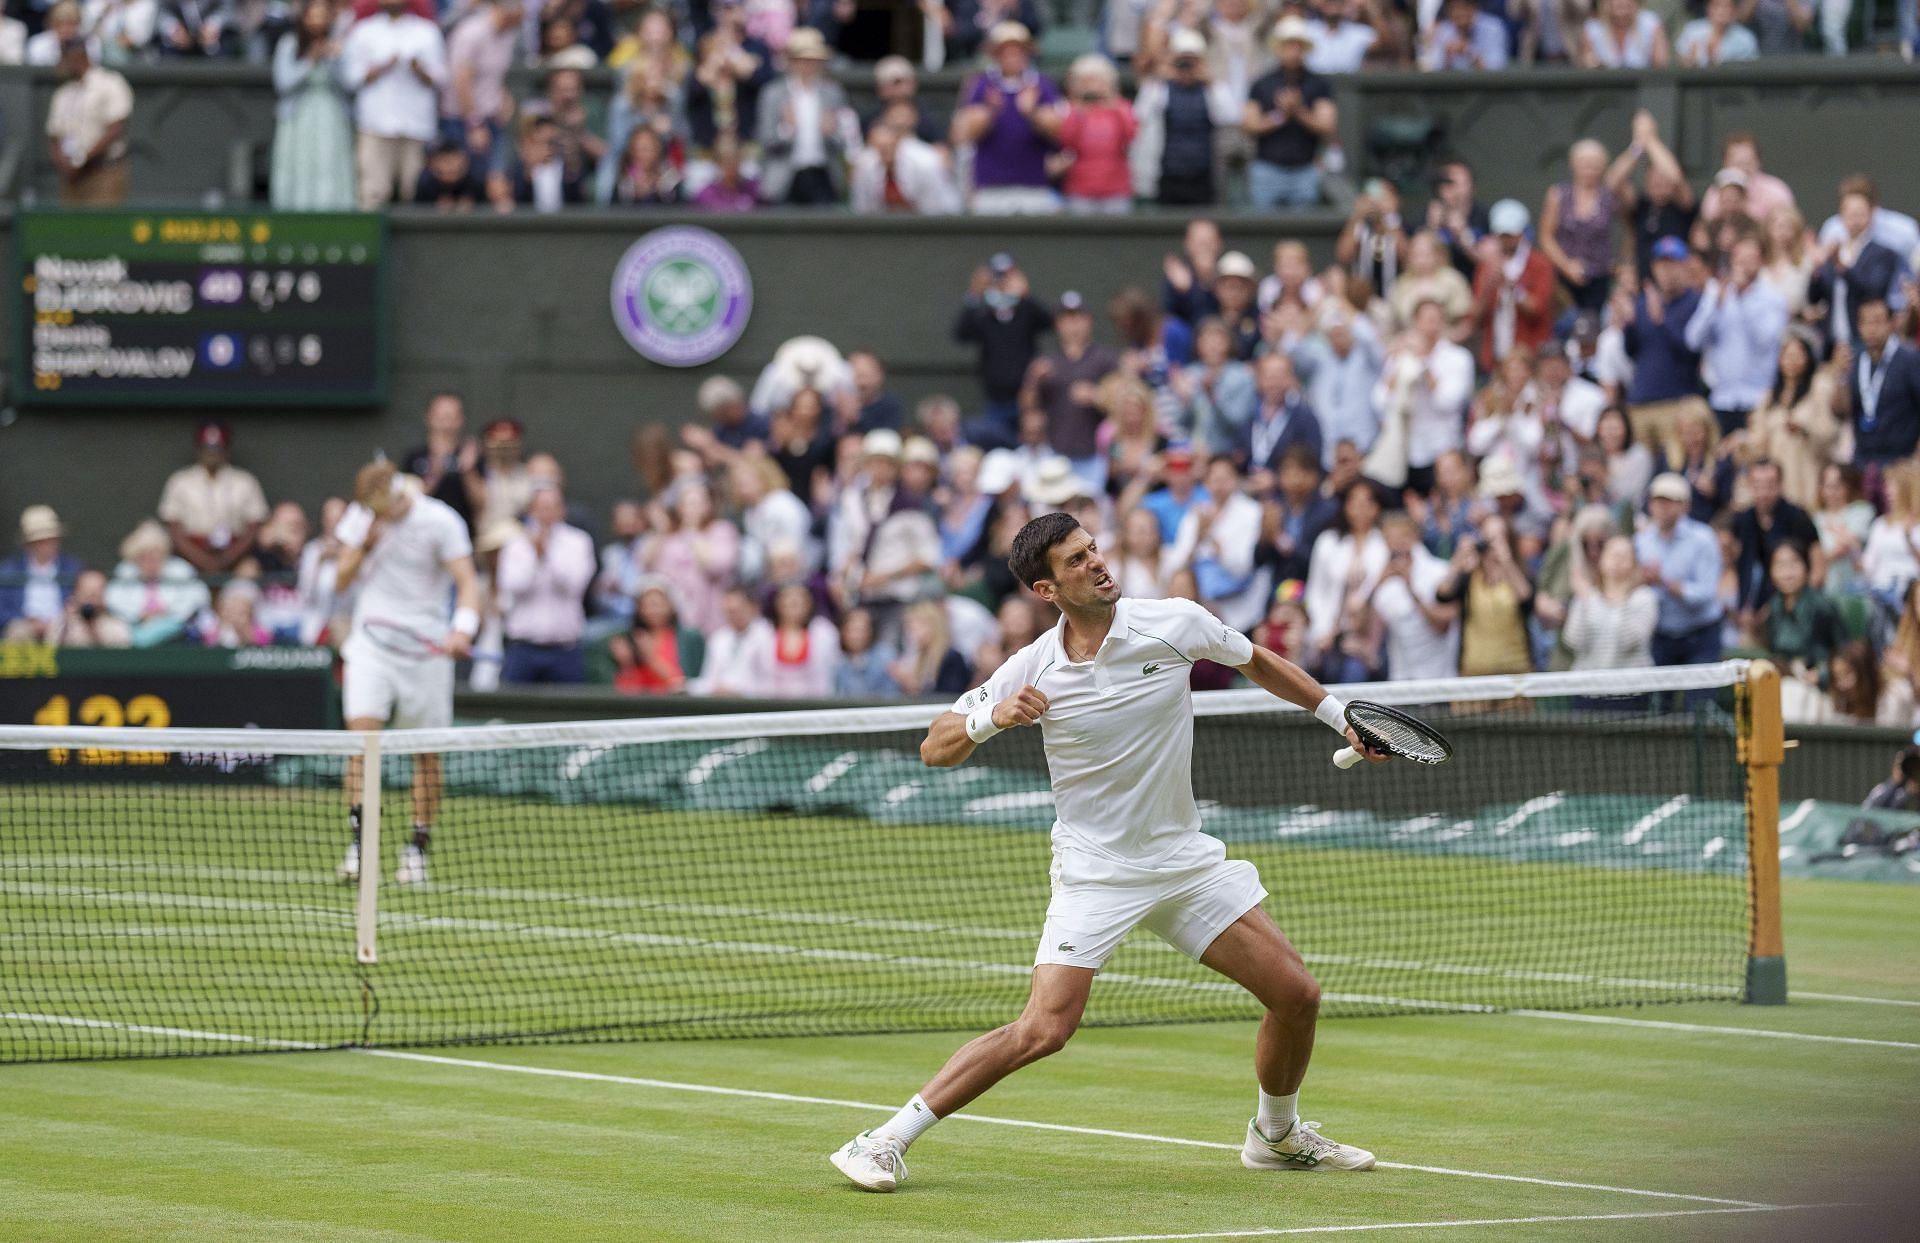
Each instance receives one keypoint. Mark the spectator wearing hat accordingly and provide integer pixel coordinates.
(213, 509)
(883, 548)
(1666, 370)
(87, 129)
(1716, 38)
(897, 171)
(1737, 330)
(1180, 110)
(152, 591)
(1004, 323)
(1466, 37)
(1178, 490)
(805, 128)
(898, 87)
(1765, 193)
(396, 63)
(1513, 289)
(1234, 291)
(1680, 560)
(36, 581)
(1290, 115)
(997, 119)
(1065, 384)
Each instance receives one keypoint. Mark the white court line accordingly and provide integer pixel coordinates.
(554, 1072)
(186, 1033)
(1268, 1232)
(1667, 1025)
(1849, 997)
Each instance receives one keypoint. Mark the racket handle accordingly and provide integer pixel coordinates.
(1345, 757)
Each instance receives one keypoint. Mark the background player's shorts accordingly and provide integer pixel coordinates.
(406, 694)
(1186, 907)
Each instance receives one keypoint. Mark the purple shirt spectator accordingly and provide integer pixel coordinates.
(1012, 152)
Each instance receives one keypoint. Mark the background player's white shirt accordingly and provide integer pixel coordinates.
(1119, 734)
(403, 579)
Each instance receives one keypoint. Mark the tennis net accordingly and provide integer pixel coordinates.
(175, 891)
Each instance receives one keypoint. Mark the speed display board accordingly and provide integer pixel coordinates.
(261, 309)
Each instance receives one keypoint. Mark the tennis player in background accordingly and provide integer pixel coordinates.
(410, 555)
(1108, 687)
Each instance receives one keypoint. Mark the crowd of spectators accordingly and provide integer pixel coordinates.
(1640, 426)
(725, 105)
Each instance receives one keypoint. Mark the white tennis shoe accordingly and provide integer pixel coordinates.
(349, 868)
(873, 1163)
(413, 867)
(1301, 1148)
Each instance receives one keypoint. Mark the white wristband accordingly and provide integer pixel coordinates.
(980, 726)
(1332, 714)
(467, 622)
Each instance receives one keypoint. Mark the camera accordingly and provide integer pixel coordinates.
(89, 611)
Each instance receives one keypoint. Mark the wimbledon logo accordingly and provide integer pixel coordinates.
(681, 296)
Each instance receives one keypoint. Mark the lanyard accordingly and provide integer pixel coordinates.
(1871, 379)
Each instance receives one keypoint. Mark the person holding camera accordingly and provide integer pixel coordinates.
(1373, 243)
(85, 622)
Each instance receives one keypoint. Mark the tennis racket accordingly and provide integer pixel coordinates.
(403, 641)
(1396, 733)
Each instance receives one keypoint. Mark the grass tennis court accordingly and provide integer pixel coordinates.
(360, 1146)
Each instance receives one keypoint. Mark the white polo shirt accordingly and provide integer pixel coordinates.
(404, 578)
(1119, 735)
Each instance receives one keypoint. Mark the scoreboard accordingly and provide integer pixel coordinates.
(261, 309)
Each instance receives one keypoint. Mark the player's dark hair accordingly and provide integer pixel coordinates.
(1030, 558)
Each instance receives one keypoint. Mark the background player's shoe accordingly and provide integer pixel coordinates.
(413, 867)
(1301, 1148)
(349, 868)
(871, 1162)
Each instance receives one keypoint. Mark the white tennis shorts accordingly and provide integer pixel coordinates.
(1187, 905)
(406, 694)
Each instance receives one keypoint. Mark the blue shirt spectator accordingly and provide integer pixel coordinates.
(1339, 367)
(1170, 502)
(1665, 367)
(1469, 38)
(1737, 328)
(1683, 558)
(35, 582)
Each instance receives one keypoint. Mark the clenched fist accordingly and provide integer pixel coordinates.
(1024, 707)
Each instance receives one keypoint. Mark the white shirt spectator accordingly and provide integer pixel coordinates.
(919, 173)
(83, 110)
(208, 504)
(1414, 648)
(542, 592)
(13, 42)
(736, 661)
(1436, 411)
(1327, 570)
(1891, 558)
(1339, 49)
(1229, 543)
(1612, 634)
(397, 104)
(776, 518)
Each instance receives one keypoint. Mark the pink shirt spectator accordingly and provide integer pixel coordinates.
(802, 666)
(699, 564)
(1098, 137)
(542, 596)
(1765, 192)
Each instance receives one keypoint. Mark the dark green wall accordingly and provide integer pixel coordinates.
(514, 313)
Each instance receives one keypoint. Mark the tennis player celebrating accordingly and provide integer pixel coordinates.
(1108, 688)
(407, 551)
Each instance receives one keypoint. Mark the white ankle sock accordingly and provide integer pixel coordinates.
(1277, 1114)
(906, 1126)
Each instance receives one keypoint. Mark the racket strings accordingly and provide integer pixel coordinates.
(1403, 738)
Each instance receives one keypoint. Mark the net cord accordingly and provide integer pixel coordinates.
(832, 721)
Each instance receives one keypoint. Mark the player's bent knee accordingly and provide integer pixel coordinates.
(1042, 1037)
(1297, 996)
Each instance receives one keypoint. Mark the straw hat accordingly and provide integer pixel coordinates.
(806, 44)
(38, 522)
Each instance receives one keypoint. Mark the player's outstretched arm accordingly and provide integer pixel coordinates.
(1280, 677)
(953, 737)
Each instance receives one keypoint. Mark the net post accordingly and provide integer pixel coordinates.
(367, 909)
(1762, 748)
